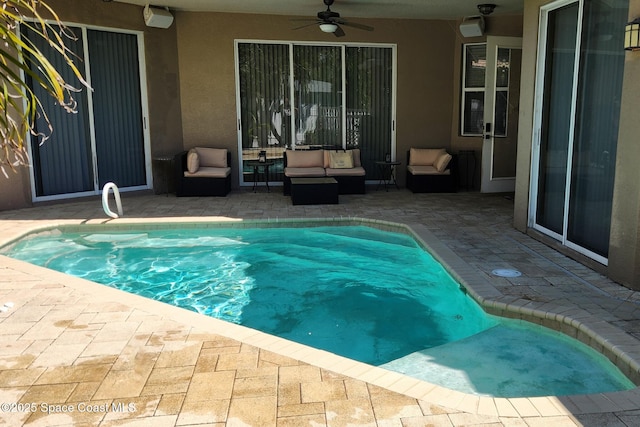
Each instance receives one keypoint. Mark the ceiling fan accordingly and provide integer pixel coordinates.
(330, 21)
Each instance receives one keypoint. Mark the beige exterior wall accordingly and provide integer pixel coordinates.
(525, 127)
(425, 62)
(624, 244)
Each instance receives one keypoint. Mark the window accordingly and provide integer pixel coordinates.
(501, 107)
(475, 64)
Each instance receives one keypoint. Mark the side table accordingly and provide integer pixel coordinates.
(387, 174)
(166, 163)
(256, 165)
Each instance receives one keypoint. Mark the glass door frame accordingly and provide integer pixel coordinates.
(539, 98)
(293, 100)
(490, 183)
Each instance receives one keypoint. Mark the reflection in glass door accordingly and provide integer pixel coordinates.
(576, 122)
(310, 96)
(318, 96)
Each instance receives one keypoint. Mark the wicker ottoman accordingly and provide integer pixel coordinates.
(314, 191)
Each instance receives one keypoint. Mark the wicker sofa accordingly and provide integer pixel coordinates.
(203, 171)
(431, 170)
(343, 165)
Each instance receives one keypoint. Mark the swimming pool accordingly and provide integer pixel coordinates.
(359, 292)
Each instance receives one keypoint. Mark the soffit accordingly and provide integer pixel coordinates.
(401, 9)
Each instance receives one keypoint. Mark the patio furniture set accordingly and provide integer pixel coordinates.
(315, 176)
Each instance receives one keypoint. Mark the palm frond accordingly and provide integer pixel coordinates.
(21, 62)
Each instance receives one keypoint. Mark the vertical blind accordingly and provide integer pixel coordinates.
(369, 103)
(63, 163)
(264, 94)
(265, 104)
(117, 109)
(318, 91)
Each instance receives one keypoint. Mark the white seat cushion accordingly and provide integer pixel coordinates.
(208, 172)
(355, 171)
(310, 172)
(426, 170)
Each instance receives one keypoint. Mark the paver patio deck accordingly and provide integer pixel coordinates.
(118, 359)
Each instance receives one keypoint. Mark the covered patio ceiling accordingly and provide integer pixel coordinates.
(403, 9)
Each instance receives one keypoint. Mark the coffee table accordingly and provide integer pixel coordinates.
(314, 191)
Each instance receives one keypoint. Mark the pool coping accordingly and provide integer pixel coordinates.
(622, 349)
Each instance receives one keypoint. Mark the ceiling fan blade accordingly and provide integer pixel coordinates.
(306, 25)
(339, 32)
(356, 25)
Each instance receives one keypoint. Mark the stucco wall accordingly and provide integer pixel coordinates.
(162, 82)
(425, 52)
(525, 126)
(624, 243)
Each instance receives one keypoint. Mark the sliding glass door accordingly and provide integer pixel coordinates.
(106, 139)
(309, 96)
(576, 122)
(318, 96)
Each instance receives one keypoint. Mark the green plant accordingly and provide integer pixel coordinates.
(19, 60)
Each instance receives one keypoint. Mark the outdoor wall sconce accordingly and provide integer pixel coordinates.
(632, 35)
(262, 157)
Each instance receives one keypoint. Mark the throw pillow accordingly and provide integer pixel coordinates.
(341, 160)
(443, 162)
(193, 161)
(212, 157)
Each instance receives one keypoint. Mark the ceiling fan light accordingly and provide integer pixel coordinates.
(328, 28)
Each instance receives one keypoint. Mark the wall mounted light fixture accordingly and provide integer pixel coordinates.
(632, 35)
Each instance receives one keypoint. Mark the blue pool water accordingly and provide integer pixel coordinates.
(359, 292)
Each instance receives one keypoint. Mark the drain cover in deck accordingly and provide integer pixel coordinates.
(505, 272)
